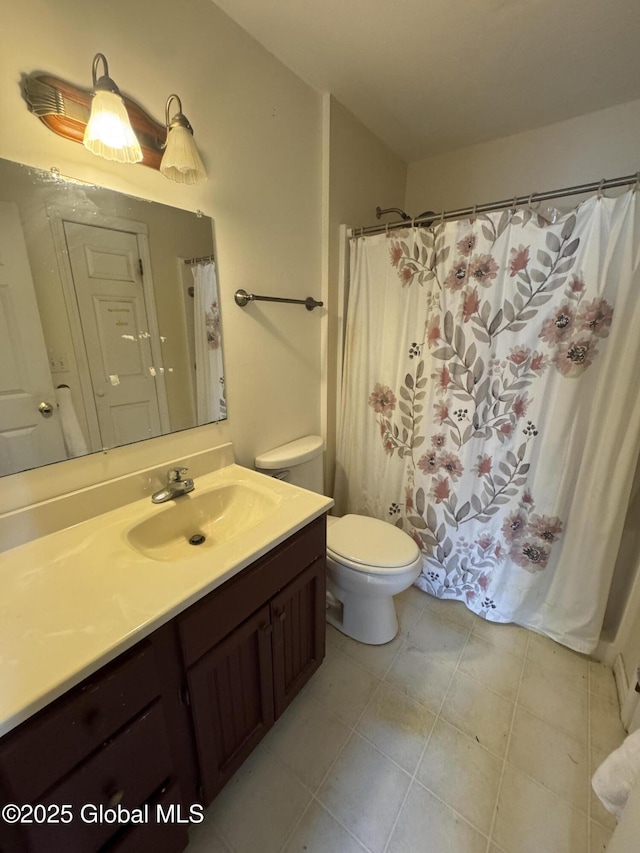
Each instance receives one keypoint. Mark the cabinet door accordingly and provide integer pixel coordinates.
(231, 693)
(298, 616)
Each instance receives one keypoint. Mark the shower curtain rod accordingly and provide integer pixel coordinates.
(465, 212)
(202, 260)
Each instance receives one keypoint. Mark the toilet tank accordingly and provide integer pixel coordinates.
(298, 462)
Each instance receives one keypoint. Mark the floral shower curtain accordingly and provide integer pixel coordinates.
(210, 398)
(491, 405)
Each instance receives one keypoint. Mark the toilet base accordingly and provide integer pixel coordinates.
(368, 620)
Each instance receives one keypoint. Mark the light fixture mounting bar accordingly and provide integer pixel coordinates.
(64, 108)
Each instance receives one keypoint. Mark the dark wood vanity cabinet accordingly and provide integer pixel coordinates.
(168, 722)
(241, 680)
(107, 743)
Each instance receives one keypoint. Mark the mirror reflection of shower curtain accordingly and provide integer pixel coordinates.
(210, 399)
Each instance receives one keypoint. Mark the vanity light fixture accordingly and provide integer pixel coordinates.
(109, 133)
(181, 161)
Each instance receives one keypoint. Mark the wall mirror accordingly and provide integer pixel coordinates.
(110, 326)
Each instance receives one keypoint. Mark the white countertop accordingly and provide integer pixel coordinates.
(75, 599)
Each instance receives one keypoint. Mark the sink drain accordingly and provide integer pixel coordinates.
(197, 539)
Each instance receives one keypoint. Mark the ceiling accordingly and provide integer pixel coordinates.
(428, 76)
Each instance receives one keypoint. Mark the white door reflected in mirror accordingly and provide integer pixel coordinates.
(26, 437)
(99, 307)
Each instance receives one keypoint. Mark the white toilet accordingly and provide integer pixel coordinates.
(368, 561)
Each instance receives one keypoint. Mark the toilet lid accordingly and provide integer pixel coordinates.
(370, 544)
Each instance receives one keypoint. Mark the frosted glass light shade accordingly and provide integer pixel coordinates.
(109, 133)
(181, 161)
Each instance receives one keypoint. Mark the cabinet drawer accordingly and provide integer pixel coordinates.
(155, 836)
(127, 771)
(209, 621)
(49, 745)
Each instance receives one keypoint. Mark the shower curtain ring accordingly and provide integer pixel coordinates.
(386, 230)
(601, 189)
(515, 204)
(473, 213)
(637, 183)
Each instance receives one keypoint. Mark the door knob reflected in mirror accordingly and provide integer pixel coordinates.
(46, 409)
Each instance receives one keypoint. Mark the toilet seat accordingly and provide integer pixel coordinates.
(370, 545)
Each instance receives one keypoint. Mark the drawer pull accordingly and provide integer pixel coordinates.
(281, 614)
(267, 628)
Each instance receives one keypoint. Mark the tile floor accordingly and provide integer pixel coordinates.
(458, 737)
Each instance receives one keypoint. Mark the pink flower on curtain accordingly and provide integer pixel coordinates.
(438, 440)
(483, 582)
(514, 526)
(484, 541)
(539, 363)
(440, 489)
(382, 399)
(457, 276)
(519, 354)
(444, 378)
(483, 465)
(531, 556)
(396, 253)
(406, 275)
(595, 317)
(442, 412)
(519, 260)
(470, 305)
(520, 406)
(433, 330)
(576, 284)
(450, 463)
(408, 498)
(483, 269)
(212, 326)
(545, 527)
(428, 462)
(573, 357)
(560, 326)
(467, 245)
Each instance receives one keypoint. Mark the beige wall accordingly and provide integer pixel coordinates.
(259, 129)
(580, 150)
(361, 174)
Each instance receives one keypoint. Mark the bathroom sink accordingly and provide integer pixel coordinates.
(194, 523)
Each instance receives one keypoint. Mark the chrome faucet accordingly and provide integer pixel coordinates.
(175, 487)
